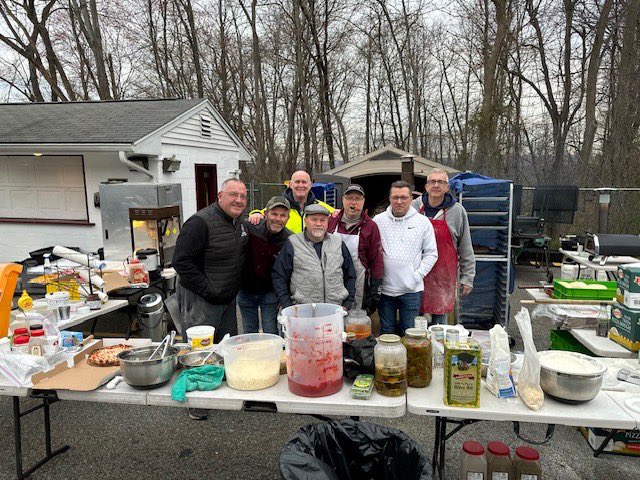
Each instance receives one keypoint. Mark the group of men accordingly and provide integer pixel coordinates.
(409, 259)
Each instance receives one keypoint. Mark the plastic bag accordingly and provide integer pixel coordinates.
(567, 316)
(529, 378)
(19, 367)
(358, 357)
(348, 450)
(499, 376)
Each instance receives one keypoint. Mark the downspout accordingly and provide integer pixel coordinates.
(134, 166)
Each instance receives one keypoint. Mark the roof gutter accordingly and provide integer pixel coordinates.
(134, 166)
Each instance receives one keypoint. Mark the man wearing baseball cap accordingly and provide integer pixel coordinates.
(256, 290)
(361, 236)
(314, 266)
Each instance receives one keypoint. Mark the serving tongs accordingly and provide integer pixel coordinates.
(166, 343)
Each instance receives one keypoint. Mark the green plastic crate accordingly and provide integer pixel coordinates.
(563, 340)
(560, 291)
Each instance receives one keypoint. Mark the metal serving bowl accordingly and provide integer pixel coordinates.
(139, 372)
(570, 387)
(194, 359)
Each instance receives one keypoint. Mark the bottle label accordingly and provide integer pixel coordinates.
(499, 476)
(528, 477)
(475, 476)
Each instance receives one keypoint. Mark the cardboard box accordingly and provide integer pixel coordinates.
(624, 327)
(629, 285)
(626, 442)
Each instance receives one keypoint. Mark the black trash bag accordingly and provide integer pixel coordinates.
(351, 450)
(358, 357)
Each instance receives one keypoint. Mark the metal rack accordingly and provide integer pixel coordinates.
(491, 217)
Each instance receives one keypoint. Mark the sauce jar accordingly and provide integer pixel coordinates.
(499, 465)
(20, 331)
(391, 366)
(419, 357)
(473, 463)
(359, 323)
(20, 344)
(526, 465)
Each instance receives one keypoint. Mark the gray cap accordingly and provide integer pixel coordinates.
(354, 187)
(278, 201)
(315, 208)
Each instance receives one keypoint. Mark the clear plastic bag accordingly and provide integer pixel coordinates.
(19, 367)
(566, 317)
(529, 379)
(499, 377)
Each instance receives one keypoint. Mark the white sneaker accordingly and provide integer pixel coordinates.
(198, 413)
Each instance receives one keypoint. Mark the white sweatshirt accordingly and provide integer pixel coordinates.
(410, 251)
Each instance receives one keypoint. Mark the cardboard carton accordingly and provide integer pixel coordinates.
(624, 327)
(629, 285)
(625, 442)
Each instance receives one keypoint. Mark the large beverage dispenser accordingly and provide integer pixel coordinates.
(313, 343)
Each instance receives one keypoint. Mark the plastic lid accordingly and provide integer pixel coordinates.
(527, 453)
(389, 338)
(415, 333)
(498, 448)
(21, 340)
(357, 313)
(473, 448)
(35, 326)
(21, 331)
(37, 333)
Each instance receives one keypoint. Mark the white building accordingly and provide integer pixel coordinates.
(53, 157)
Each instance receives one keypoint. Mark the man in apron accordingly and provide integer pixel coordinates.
(455, 251)
(361, 236)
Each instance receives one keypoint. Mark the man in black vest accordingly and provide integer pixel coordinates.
(209, 255)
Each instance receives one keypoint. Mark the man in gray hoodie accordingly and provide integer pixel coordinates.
(409, 252)
(455, 252)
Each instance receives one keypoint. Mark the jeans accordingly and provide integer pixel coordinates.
(267, 303)
(409, 306)
(438, 318)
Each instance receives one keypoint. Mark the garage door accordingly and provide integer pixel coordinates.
(43, 188)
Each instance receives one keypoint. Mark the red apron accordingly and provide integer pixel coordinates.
(440, 283)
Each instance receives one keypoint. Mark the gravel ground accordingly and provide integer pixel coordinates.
(122, 441)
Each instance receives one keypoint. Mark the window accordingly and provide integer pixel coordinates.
(49, 188)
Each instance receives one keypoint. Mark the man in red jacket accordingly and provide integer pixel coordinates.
(362, 237)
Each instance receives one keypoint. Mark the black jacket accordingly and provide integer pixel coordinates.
(209, 254)
(262, 251)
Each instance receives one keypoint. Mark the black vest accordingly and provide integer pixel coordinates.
(224, 256)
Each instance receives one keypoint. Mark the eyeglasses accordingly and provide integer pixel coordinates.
(402, 198)
(437, 182)
(239, 195)
(358, 198)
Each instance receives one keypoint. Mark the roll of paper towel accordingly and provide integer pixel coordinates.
(78, 257)
(95, 279)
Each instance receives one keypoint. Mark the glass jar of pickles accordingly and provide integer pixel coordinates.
(419, 357)
(359, 323)
(391, 366)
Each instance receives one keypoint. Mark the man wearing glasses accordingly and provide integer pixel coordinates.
(410, 252)
(209, 255)
(451, 227)
(361, 236)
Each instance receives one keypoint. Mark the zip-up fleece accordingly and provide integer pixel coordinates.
(410, 251)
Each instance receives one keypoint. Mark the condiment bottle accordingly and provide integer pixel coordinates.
(499, 462)
(473, 463)
(527, 464)
(419, 357)
(391, 366)
(602, 328)
(20, 344)
(36, 342)
(359, 323)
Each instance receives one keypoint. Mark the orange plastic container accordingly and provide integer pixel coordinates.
(9, 273)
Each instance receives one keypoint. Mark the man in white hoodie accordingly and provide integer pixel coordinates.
(410, 251)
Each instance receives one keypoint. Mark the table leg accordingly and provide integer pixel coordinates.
(130, 322)
(17, 431)
(436, 447)
(600, 449)
(442, 447)
(93, 325)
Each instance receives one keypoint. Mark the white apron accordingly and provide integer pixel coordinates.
(353, 242)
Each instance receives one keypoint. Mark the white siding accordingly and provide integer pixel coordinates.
(188, 133)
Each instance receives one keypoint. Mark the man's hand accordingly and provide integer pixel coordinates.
(336, 212)
(466, 290)
(255, 218)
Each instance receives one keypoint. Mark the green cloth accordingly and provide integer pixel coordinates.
(205, 378)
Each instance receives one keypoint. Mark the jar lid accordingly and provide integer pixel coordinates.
(357, 313)
(527, 453)
(498, 448)
(473, 448)
(21, 331)
(20, 340)
(35, 326)
(389, 338)
(415, 333)
(37, 333)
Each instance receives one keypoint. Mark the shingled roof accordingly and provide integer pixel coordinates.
(103, 122)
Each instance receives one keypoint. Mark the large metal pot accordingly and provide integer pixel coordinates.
(139, 372)
(564, 383)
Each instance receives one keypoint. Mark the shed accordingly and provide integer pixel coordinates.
(53, 156)
(376, 170)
